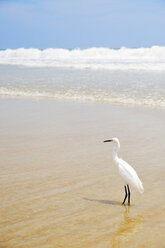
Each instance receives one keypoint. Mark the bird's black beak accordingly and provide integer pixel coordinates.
(107, 140)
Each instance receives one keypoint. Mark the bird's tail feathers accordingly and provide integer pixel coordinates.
(140, 187)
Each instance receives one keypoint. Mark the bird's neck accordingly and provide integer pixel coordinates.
(114, 152)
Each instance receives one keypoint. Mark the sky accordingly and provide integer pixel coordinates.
(81, 23)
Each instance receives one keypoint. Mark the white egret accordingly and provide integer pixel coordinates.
(127, 173)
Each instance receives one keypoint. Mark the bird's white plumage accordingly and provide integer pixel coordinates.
(127, 173)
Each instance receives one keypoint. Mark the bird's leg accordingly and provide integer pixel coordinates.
(125, 195)
(128, 194)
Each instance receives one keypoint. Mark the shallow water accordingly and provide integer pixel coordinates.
(130, 87)
(59, 186)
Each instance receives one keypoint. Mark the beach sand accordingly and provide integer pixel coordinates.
(59, 185)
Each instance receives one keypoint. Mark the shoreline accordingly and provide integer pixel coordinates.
(127, 88)
(53, 99)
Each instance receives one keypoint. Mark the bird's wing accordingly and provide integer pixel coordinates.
(129, 175)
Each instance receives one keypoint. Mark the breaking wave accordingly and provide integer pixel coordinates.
(92, 58)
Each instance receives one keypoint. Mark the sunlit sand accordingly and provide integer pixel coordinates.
(59, 186)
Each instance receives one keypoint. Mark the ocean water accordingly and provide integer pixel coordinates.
(102, 75)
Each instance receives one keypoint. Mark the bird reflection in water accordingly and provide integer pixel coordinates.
(127, 227)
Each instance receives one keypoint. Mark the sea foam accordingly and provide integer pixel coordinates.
(92, 58)
(80, 97)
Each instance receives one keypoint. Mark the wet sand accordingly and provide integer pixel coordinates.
(59, 186)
